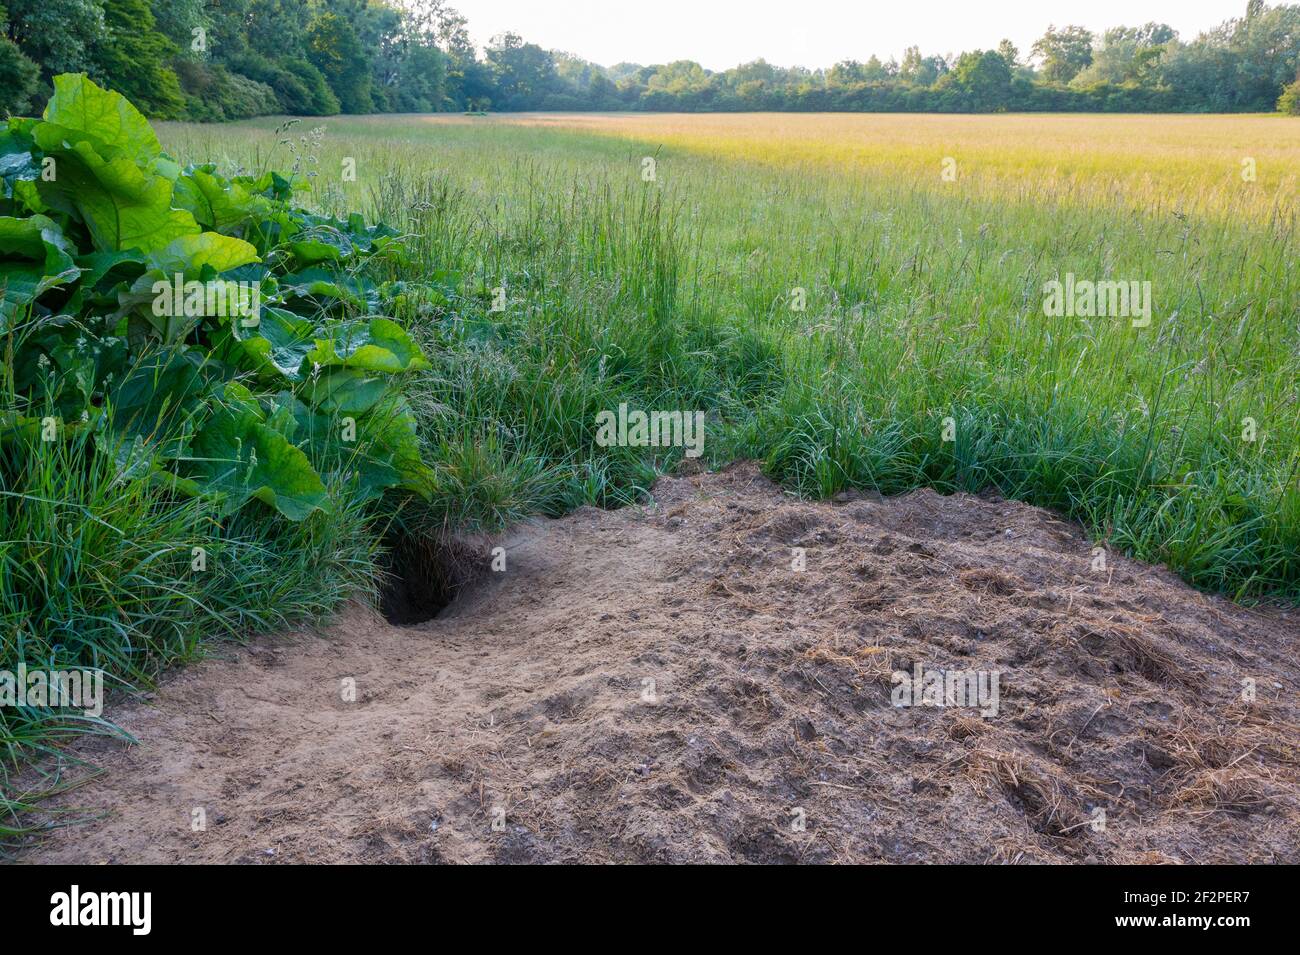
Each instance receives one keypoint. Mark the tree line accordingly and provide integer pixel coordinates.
(233, 59)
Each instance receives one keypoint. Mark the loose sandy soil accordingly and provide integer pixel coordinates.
(659, 685)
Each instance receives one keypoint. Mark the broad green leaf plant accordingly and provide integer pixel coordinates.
(204, 329)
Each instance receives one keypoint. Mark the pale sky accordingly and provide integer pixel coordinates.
(722, 33)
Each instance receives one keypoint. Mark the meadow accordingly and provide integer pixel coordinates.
(835, 289)
(853, 301)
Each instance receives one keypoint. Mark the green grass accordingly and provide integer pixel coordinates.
(98, 570)
(923, 302)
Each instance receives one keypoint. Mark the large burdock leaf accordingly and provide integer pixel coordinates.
(274, 186)
(80, 111)
(238, 456)
(54, 364)
(278, 344)
(330, 288)
(217, 203)
(34, 237)
(190, 254)
(102, 273)
(17, 163)
(368, 453)
(198, 260)
(108, 169)
(375, 344)
(346, 391)
(123, 205)
(97, 267)
(392, 433)
(321, 246)
(34, 258)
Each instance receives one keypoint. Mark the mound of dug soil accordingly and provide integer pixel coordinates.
(662, 684)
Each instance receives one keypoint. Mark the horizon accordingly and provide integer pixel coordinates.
(600, 31)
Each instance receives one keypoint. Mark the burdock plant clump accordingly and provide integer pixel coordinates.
(200, 401)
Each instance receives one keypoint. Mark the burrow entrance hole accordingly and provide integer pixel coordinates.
(422, 575)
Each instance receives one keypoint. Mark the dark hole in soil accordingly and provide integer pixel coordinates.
(422, 575)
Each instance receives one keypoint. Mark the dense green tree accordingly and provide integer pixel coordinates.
(1127, 55)
(230, 30)
(19, 75)
(524, 72)
(19, 79)
(917, 70)
(408, 69)
(237, 58)
(687, 76)
(380, 30)
(421, 85)
(845, 73)
(323, 100)
(1241, 65)
(465, 77)
(1266, 45)
(985, 77)
(1289, 101)
(178, 19)
(278, 28)
(132, 57)
(334, 48)
(573, 71)
(59, 35)
(1065, 53)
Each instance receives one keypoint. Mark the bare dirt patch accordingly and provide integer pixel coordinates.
(658, 685)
